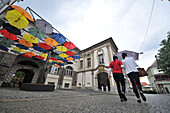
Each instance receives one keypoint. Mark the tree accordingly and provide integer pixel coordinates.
(163, 56)
(19, 74)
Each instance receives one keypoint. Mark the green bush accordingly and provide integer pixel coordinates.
(19, 74)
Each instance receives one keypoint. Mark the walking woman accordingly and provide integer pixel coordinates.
(116, 68)
(132, 72)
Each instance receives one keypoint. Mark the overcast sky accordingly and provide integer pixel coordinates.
(87, 22)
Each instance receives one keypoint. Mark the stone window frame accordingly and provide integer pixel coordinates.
(69, 71)
(88, 62)
(55, 70)
(88, 58)
(81, 64)
(66, 85)
(70, 68)
(100, 52)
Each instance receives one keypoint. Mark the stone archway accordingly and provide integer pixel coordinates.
(28, 63)
(22, 76)
(28, 75)
(103, 81)
(24, 65)
(69, 67)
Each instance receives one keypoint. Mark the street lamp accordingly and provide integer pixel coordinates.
(141, 53)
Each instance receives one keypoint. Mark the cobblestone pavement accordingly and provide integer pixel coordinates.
(78, 101)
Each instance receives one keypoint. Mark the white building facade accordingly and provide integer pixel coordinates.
(158, 79)
(63, 77)
(93, 66)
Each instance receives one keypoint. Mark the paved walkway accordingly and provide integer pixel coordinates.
(78, 101)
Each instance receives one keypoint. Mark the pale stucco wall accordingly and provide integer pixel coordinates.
(52, 78)
(106, 57)
(95, 59)
(68, 80)
(85, 78)
(150, 76)
(74, 65)
(155, 71)
(79, 79)
(95, 78)
(88, 82)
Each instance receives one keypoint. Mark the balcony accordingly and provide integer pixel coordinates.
(160, 78)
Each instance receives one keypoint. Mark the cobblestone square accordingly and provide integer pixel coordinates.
(78, 101)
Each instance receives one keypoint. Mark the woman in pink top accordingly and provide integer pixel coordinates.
(116, 68)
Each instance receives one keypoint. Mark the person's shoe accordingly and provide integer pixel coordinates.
(139, 101)
(143, 96)
(124, 97)
(121, 99)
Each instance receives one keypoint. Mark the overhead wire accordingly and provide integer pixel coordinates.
(147, 26)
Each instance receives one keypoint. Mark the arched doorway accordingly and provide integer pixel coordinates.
(28, 75)
(22, 76)
(103, 81)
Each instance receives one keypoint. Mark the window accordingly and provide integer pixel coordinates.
(69, 67)
(101, 61)
(81, 64)
(68, 72)
(52, 68)
(51, 83)
(89, 62)
(55, 70)
(88, 55)
(66, 85)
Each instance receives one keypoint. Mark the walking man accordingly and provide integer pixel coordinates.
(132, 72)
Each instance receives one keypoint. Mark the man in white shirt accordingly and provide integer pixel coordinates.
(132, 72)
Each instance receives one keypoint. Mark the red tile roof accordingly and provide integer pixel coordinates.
(144, 83)
(154, 64)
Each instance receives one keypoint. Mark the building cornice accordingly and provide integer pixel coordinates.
(93, 69)
(109, 40)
